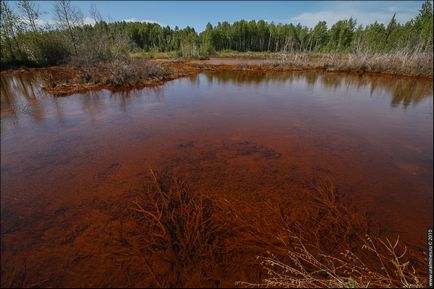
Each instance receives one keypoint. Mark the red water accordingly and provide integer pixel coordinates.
(65, 160)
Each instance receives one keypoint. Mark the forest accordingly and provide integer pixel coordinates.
(25, 42)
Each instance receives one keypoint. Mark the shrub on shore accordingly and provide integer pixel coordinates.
(24, 42)
(120, 73)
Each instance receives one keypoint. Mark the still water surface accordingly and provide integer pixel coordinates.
(61, 157)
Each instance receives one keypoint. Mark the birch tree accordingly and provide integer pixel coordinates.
(68, 18)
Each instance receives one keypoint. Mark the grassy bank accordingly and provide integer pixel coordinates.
(116, 75)
(399, 63)
(141, 70)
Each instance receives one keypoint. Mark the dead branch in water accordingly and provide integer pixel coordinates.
(308, 269)
(198, 234)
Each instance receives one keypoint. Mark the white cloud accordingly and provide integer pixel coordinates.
(51, 22)
(310, 19)
(43, 22)
(88, 20)
(142, 21)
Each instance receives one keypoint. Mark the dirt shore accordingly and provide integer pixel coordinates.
(66, 80)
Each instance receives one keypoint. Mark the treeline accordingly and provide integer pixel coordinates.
(25, 42)
(343, 36)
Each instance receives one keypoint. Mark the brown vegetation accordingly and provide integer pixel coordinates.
(400, 63)
(189, 238)
(309, 268)
(140, 72)
(118, 74)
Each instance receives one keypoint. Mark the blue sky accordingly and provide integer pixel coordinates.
(197, 14)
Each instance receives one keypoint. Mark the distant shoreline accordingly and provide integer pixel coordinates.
(145, 70)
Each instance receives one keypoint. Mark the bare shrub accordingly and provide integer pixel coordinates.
(309, 268)
(181, 225)
(127, 72)
(201, 235)
(310, 262)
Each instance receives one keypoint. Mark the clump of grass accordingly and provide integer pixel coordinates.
(126, 72)
(122, 72)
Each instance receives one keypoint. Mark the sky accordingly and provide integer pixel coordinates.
(198, 13)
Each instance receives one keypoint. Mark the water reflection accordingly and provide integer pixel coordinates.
(65, 178)
(22, 94)
(19, 94)
(149, 94)
(404, 91)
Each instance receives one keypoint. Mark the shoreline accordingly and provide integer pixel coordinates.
(170, 69)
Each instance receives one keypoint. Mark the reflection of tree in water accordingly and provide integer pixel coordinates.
(404, 91)
(330, 81)
(148, 94)
(59, 109)
(157, 93)
(247, 77)
(7, 97)
(22, 95)
(91, 102)
(28, 89)
(311, 78)
(408, 91)
(194, 79)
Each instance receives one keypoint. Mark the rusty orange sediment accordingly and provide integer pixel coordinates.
(245, 148)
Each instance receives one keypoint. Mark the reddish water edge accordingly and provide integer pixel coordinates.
(66, 163)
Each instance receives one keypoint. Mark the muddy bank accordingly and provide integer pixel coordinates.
(140, 73)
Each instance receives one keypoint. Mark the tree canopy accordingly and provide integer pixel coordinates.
(25, 42)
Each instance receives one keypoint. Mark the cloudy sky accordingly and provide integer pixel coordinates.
(198, 14)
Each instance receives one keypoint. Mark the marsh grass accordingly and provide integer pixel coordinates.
(120, 73)
(139, 71)
(402, 62)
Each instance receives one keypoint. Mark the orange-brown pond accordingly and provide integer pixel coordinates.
(69, 163)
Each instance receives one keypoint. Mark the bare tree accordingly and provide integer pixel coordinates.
(96, 40)
(30, 12)
(94, 13)
(68, 17)
(10, 27)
